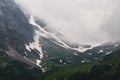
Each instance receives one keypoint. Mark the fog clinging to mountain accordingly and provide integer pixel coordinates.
(82, 21)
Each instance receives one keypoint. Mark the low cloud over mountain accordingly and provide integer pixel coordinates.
(82, 21)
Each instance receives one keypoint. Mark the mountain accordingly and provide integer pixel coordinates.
(29, 47)
(57, 51)
(15, 32)
(99, 52)
(106, 69)
(16, 70)
(24, 40)
(13, 26)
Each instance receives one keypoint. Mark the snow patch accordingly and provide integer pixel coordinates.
(108, 53)
(116, 45)
(26, 54)
(44, 33)
(82, 49)
(100, 51)
(27, 47)
(90, 53)
(43, 70)
(38, 62)
(61, 61)
(35, 44)
(75, 54)
(82, 61)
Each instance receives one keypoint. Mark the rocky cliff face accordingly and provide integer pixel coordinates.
(20, 39)
(33, 43)
(27, 46)
(12, 18)
(15, 30)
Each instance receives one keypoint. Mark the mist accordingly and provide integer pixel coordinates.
(81, 21)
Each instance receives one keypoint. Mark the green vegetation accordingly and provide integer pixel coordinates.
(4, 59)
(107, 69)
(15, 70)
(69, 70)
(113, 58)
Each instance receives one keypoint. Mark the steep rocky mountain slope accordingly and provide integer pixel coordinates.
(16, 70)
(19, 37)
(28, 47)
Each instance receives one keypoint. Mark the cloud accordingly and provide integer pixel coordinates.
(82, 21)
(112, 25)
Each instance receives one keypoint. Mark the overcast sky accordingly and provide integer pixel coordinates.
(83, 21)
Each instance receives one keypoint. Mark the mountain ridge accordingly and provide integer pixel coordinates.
(26, 41)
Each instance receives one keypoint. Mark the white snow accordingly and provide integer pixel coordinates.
(82, 49)
(100, 51)
(116, 45)
(35, 44)
(82, 61)
(75, 54)
(38, 62)
(90, 53)
(27, 47)
(44, 33)
(61, 61)
(26, 54)
(108, 53)
(43, 70)
(40, 32)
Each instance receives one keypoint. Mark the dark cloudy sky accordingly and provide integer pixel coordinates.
(83, 21)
